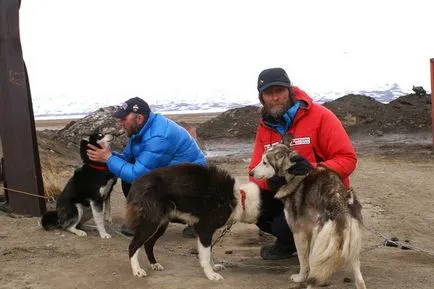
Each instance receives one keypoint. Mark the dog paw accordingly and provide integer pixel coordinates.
(214, 276)
(80, 233)
(219, 267)
(157, 267)
(105, 235)
(139, 272)
(297, 278)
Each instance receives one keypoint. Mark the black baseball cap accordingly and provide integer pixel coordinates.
(271, 77)
(136, 105)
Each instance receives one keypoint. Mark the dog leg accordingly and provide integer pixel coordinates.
(149, 247)
(108, 211)
(143, 233)
(302, 245)
(360, 283)
(73, 228)
(205, 255)
(135, 265)
(98, 216)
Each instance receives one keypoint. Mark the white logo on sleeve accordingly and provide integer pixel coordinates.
(300, 141)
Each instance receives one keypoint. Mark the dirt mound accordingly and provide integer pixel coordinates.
(234, 123)
(353, 109)
(100, 120)
(358, 113)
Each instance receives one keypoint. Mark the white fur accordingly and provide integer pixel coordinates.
(324, 256)
(107, 209)
(252, 203)
(98, 217)
(73, 228)
(157, 267)
(104, 190)
(106, 140)
(206, 262)
(264, 169)
(135, 266)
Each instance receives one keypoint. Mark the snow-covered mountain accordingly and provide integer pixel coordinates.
(64, 107)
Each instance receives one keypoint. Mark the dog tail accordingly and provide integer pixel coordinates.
(332, 247)
(50, 220)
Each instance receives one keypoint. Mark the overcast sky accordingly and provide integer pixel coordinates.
(179, 49)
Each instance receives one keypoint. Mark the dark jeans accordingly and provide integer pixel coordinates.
(272, 220)
(125, 188)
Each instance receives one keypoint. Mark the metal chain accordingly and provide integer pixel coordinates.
(222, 234)
(399, 244)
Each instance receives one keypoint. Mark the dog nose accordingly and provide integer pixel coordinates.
(251, 173)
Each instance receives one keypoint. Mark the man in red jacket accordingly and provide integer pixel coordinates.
(319, 138)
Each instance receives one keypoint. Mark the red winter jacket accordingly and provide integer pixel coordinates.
(318, 136)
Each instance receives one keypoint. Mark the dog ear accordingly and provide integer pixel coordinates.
(287, 139)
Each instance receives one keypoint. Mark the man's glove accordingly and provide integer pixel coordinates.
(301, 166)
(275, 182)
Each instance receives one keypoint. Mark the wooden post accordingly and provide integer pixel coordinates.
(432, 100)
(22, 170)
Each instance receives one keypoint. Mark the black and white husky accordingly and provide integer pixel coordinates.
(204, 197)
(88, 189)
(323, 214)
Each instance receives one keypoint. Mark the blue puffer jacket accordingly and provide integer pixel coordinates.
(161, 142)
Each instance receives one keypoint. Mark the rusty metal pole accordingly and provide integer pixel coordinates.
(432, 100)
(22, 169)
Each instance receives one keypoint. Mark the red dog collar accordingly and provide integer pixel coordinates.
(101, 168)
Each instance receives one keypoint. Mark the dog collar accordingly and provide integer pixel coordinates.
(243, 199)
(100, 168)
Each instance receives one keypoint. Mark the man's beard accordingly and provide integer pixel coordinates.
(134, 129)
(277, 111)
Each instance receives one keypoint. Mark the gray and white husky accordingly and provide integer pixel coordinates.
(323, 214)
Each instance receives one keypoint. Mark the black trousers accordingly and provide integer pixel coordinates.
(272, 220)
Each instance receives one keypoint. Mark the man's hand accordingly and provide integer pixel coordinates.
(97, 154)
(275, 182)
(301, 166)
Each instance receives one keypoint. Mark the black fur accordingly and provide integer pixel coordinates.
(82, 188)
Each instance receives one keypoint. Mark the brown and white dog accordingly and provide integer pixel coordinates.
(204, 197)
(323, 214)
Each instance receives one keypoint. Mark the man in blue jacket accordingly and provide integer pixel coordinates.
(153, 142)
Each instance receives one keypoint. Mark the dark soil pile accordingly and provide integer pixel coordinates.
(358, 113)
(408, 113)
(234, 123)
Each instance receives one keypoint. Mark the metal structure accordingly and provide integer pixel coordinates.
(432, 100)
(22, 170)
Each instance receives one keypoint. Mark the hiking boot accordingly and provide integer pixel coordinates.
(189, 232)
(126, 231)
(277, 251)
